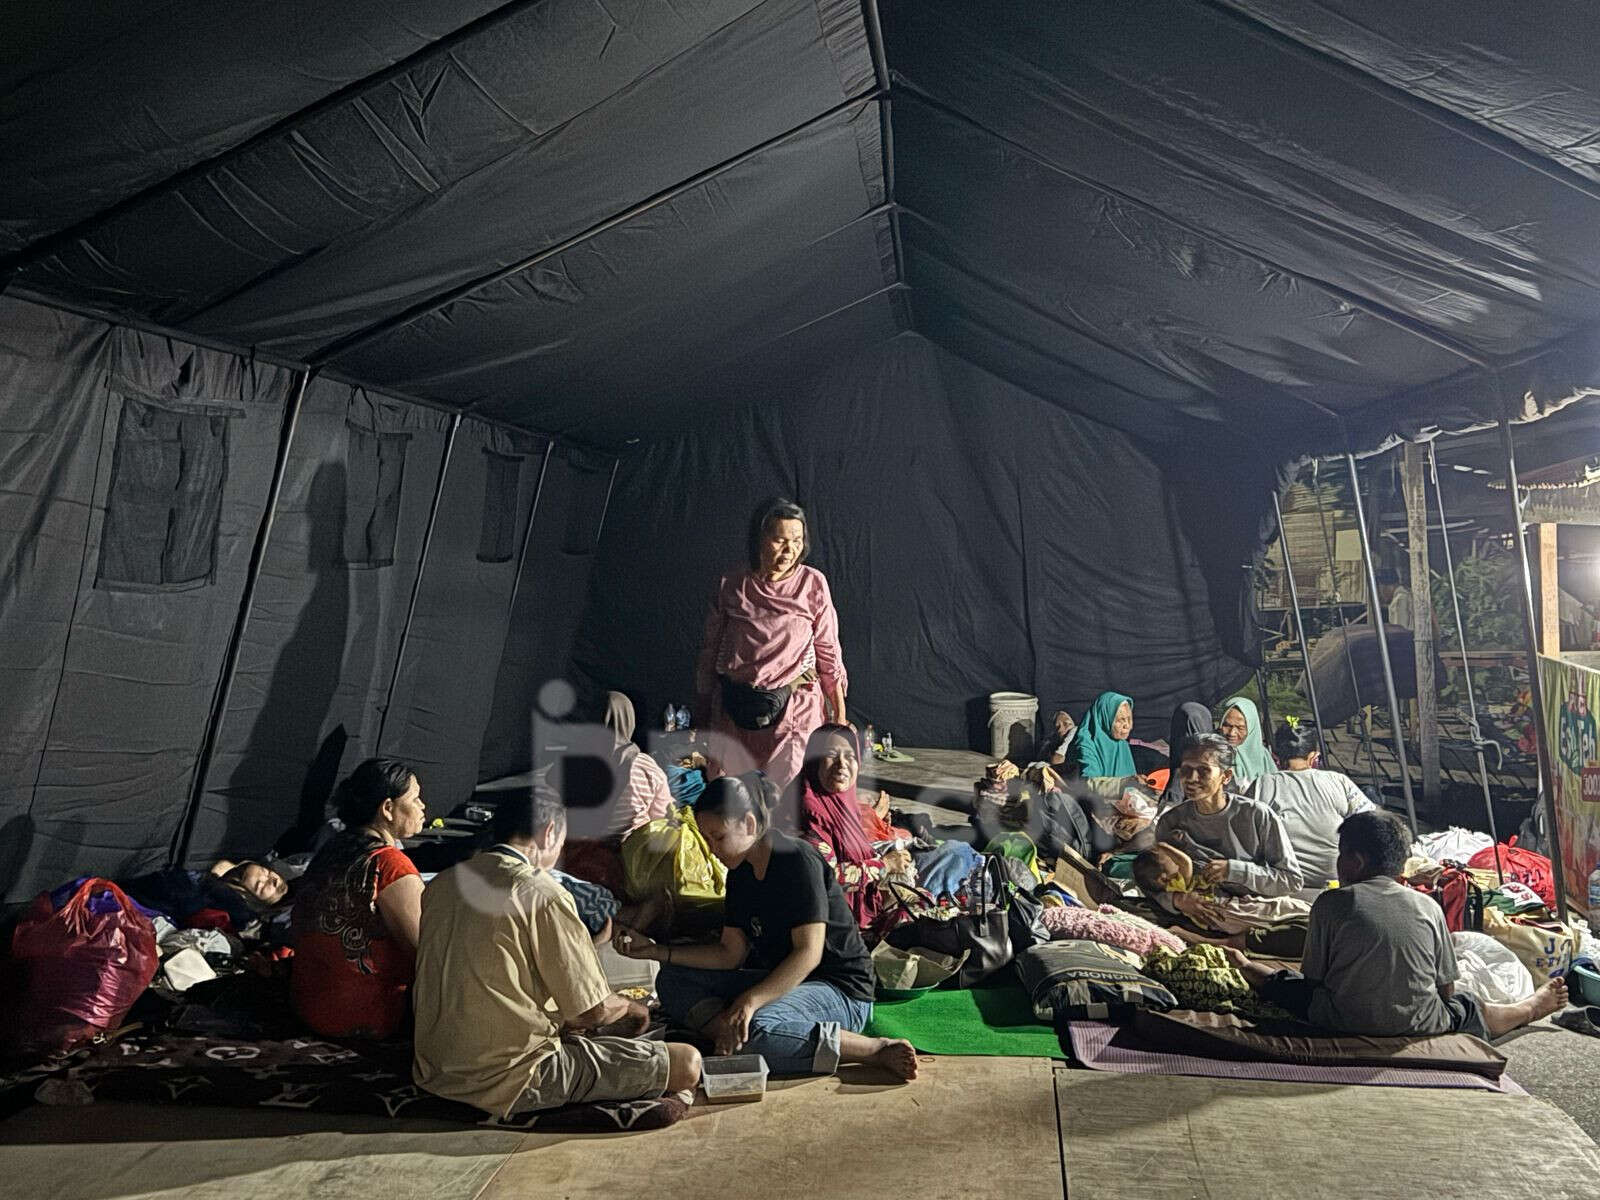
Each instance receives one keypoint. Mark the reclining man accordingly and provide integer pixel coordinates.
(513, 1011)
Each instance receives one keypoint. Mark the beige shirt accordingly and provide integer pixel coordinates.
(502, 962)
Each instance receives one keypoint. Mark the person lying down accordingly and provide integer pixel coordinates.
(1273, 927)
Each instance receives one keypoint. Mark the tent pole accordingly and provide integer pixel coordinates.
(1461, 641)
(1299, 622)
(416, 583)
(1344, 624)
(527, 530)
(179, 850)
(1535, 687)
(1383, 643)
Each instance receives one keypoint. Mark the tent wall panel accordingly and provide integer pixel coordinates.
(452, 657)
(968, 532)
(315, 667)
(124, 689)
(550, 603)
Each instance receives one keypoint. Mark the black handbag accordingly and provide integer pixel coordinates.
(983, 934)
(752, 707)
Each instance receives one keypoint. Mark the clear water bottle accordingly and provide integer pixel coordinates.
(867, 738)
(888, 742)
(1594, 900)
(683, 718)
(669, 721)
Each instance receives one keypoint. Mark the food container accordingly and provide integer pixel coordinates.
(732, 1078)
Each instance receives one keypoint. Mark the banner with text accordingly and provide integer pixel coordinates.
(1571, 699)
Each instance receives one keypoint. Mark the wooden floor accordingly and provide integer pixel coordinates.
(1022, 1129)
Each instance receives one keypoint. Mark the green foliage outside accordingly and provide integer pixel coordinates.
(1486, 587)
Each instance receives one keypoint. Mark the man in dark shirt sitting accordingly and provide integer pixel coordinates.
(1378, 958)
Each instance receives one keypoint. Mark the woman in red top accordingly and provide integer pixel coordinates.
(358, 909)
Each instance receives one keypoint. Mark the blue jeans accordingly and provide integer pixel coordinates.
(798, 1034)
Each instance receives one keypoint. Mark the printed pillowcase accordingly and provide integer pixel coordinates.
(1084, 980)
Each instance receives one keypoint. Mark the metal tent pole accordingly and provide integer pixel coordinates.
(416, 583)
(178, 852)
(1535, 687)
(1299, 623)
(1383, 644)
(1344, 624)
(1461, 640)
(527, 530)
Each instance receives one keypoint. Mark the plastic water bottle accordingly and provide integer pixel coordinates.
(1594, 900)
(867, 738)
(888, 742)
(669, 722)
(683, 718)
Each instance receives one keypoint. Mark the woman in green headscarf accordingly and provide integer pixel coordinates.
(1101, 747)
(1241, 725)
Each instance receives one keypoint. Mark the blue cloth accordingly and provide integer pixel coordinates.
(946, 867)
(596, 904)
(798, 1033)
(685, 783)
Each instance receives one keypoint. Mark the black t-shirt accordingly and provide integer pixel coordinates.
(800, 889)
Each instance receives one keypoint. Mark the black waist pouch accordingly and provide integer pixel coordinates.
(751, 707)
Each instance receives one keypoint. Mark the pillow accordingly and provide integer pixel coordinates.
(1084, 980)
(1112, 927)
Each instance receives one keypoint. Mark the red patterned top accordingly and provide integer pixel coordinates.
(350, 976)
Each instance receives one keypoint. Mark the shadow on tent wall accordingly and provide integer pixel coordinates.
(287, 734)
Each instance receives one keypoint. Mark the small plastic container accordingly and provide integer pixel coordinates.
(734, 1078)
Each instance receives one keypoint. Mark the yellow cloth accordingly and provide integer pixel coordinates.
(502, 962)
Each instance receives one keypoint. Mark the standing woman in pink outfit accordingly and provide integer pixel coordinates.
(770, 666)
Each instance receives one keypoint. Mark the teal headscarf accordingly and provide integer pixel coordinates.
(1251, 760)
(1094, 752)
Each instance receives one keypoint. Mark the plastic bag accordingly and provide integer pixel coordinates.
(670, 855)
(83, 965)
(1490, 971)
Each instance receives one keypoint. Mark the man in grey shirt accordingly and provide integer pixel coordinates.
(1239, 846)
(1312, 802)
(1378, 959)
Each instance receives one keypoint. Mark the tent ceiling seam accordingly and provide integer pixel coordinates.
(51, 243)
(439, 300)
(1446, 118)
(1373, 309)
(880, 66)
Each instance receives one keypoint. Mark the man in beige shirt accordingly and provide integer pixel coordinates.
(513, 1011)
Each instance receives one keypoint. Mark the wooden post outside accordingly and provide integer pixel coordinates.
(1416, 496)
(1549, 593)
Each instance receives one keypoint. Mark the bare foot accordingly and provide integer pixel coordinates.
(897, 1057)
(1503, 1018)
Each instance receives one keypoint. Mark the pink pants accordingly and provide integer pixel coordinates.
(779, 751)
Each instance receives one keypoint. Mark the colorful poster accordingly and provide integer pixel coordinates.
(1571, 700)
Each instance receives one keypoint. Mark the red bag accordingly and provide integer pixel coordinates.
(1459, 896)
(1524, 866)
(82, 967)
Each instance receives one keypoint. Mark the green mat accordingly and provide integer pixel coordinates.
(993, 1022)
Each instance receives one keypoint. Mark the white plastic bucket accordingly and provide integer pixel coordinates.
(1006, 711)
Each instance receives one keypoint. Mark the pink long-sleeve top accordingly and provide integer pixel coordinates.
(764, 633)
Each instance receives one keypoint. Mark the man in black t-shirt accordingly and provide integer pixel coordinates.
(800, 889)
(790, 978)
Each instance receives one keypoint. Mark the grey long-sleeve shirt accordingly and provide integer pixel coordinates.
(1248, 834)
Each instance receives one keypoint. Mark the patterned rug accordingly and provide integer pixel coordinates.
(302, 1073)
